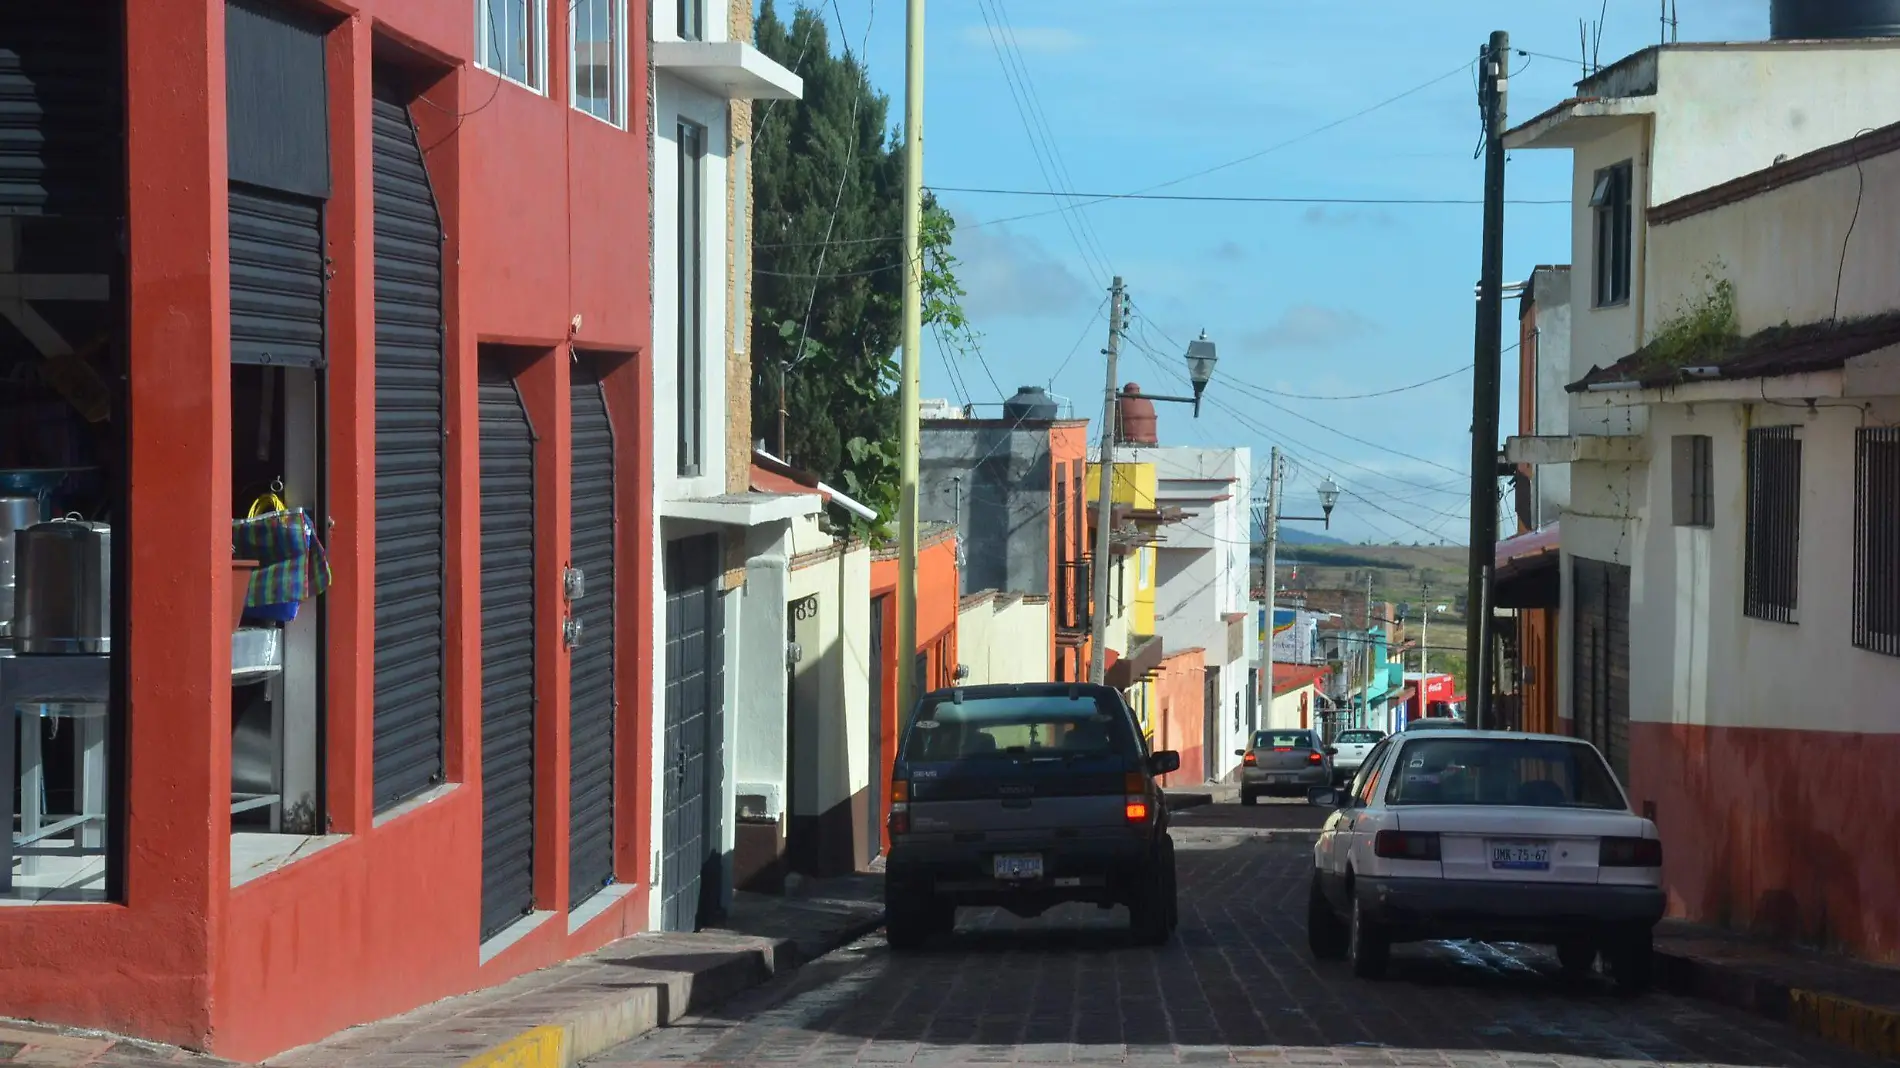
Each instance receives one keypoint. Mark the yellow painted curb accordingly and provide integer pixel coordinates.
(1847, 1023)
(542, 1047)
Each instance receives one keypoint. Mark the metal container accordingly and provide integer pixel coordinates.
(16, 513)
(63, 589)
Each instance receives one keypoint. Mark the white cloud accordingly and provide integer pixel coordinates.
(1310, 326)
(1012, 275)
(1043, 40)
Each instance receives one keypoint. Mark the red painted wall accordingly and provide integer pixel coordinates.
(1068, 447)
(1788, 833)
(937, 599)
(546, 218)
(1180, 696)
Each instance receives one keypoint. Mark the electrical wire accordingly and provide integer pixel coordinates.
(1098, 198)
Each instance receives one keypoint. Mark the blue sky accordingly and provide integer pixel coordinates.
(1300, 298)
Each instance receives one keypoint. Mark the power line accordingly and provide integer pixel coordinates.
(1097, 198)
(1363, 396)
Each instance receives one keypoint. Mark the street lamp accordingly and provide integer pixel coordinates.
(1200, 361)
(1328, 497)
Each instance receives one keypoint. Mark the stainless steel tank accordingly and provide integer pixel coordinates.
(16, 513)
(63, 589)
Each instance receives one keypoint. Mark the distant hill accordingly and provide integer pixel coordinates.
(1293, 534)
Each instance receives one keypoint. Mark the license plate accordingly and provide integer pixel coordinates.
(1520, 856)
(1015, 866)
(1279, 778)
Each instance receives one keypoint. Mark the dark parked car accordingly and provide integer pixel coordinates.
(1283, 762)
(1026, 797)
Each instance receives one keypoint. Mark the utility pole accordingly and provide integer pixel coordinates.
(1494, 86)
(910, 383)
(1105, 506)
(1425, 638)
(1272, 535)
(1365, 699)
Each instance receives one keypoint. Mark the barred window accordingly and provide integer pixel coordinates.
(1773, 556)
(1877, 539)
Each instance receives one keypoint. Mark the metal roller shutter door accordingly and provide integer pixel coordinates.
(409, 462)
(591, 675)
(508, 639)
(61, 123)
(276, 279)
(693, 758)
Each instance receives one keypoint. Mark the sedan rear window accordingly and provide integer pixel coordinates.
(947, 730)
(1359, 737)
(1502, 771)
(1282, 740)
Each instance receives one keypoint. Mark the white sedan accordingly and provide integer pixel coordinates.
(1354, 746)
(1492, 836)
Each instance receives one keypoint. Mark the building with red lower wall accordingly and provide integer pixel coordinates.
(415, 294)
(936, 652)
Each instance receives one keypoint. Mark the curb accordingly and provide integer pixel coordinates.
(1177, 800)
(576, 1035)
(1838, 1020)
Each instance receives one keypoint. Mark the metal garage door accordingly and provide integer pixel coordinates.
(276, 279)
(591, 680)
(508, 637)
(693, 755)
(409, 464)
(61, 70)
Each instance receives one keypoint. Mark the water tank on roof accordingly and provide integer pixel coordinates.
(1833, 19)
(1030, 403)
(1138, 423)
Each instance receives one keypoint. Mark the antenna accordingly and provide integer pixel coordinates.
(1583, 44)
(1669, 21)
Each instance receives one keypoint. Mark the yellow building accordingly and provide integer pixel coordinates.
(1130, 627)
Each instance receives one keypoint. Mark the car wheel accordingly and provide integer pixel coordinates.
(1151, 913)
(1171, 893)
(1632, 961)
(909, 924)
(1367, 945)
(1576, 956)
(1248, 797)
(1326, 933)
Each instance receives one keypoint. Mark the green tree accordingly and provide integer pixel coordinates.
(827, 287)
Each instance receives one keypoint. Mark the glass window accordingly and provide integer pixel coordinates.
(510, 40)
(1611, 199)
(692, 20)
(1282, 740)
(1054, 725)
(1365, 786)
(1503, 771)
(599, 49)
(692, 299)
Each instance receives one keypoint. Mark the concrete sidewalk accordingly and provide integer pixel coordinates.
(553, 1018)
(1833, 998)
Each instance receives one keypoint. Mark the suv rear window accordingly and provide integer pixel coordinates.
(1038, 725)
(1282, 740)
(1359, 737)
(1502, 771)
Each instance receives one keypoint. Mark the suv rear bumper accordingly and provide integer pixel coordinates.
(1416, 909)
(1103, 869)
(1288, 778)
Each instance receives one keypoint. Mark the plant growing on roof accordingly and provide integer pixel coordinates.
(1700, 332)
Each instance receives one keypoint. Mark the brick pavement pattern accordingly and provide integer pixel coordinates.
(1237, 986)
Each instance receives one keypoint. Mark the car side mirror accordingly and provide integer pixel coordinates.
(1332, 750)
(1240, 752)
(1325, 797)
(1164, 762)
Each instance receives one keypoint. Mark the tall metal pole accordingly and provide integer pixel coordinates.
(1105, 504)
(1365, 698)
(908, 390)
(1494, 85)
(1265, 711)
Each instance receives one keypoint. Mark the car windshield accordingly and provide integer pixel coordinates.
(1503, 771)
(1017, 725)
(1359, 737)
(1282, 740)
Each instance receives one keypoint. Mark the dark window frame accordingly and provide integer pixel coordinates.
(1612, 203)
(692, 20)
(1877, 540)
(1772, 559)
(1692, 491)
(690, 264)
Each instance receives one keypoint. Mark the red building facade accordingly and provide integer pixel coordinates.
(542, 284)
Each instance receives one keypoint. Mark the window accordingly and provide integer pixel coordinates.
(511, 40)
(692, 20)
(598, 44)
(1610, 200)
(1692, 485)
(1489, 771)
(692, 283)
(1877, 539)
(1283, 740)
(1001, 727)
(1774, 524)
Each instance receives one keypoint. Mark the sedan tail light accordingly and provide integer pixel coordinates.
(1630, 853)
(1313, 758)
(1249, 760)
(1406, 845)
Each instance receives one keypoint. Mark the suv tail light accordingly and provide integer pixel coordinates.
(1630, 853)
(1406, 845)
(898, 822)
(1249, 760)
(1135, 808)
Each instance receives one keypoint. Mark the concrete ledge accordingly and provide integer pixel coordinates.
(1842, 1021)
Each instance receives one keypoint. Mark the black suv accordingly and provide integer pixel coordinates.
(1027, 796)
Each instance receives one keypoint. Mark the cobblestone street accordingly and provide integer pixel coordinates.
(1236, 987)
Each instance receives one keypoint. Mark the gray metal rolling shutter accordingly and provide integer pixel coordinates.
(591, 702)
(508, 638)
(276, 279)
(61, 119)
(693, 759)
(409, 462)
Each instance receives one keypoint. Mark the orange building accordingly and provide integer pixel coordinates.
(936, 650)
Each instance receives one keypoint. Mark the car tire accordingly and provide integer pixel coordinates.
(1367, 946)
(909, 924)
(1576, 957)
(1248, 797)
(1326, 933)
(1151, 915)
(1632, 961)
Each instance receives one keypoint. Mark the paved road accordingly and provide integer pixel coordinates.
(1236, 987)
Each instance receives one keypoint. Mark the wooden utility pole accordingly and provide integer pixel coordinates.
(1105, 506)
(1494, 85)
(911, 374)
(1272, 535)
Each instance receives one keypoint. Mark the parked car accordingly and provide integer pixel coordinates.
(1486, 835)
(1350, 750)
(1027, 796)
(1283, 762)
(1437, 723)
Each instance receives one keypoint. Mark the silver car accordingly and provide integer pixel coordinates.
(1283, 762)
